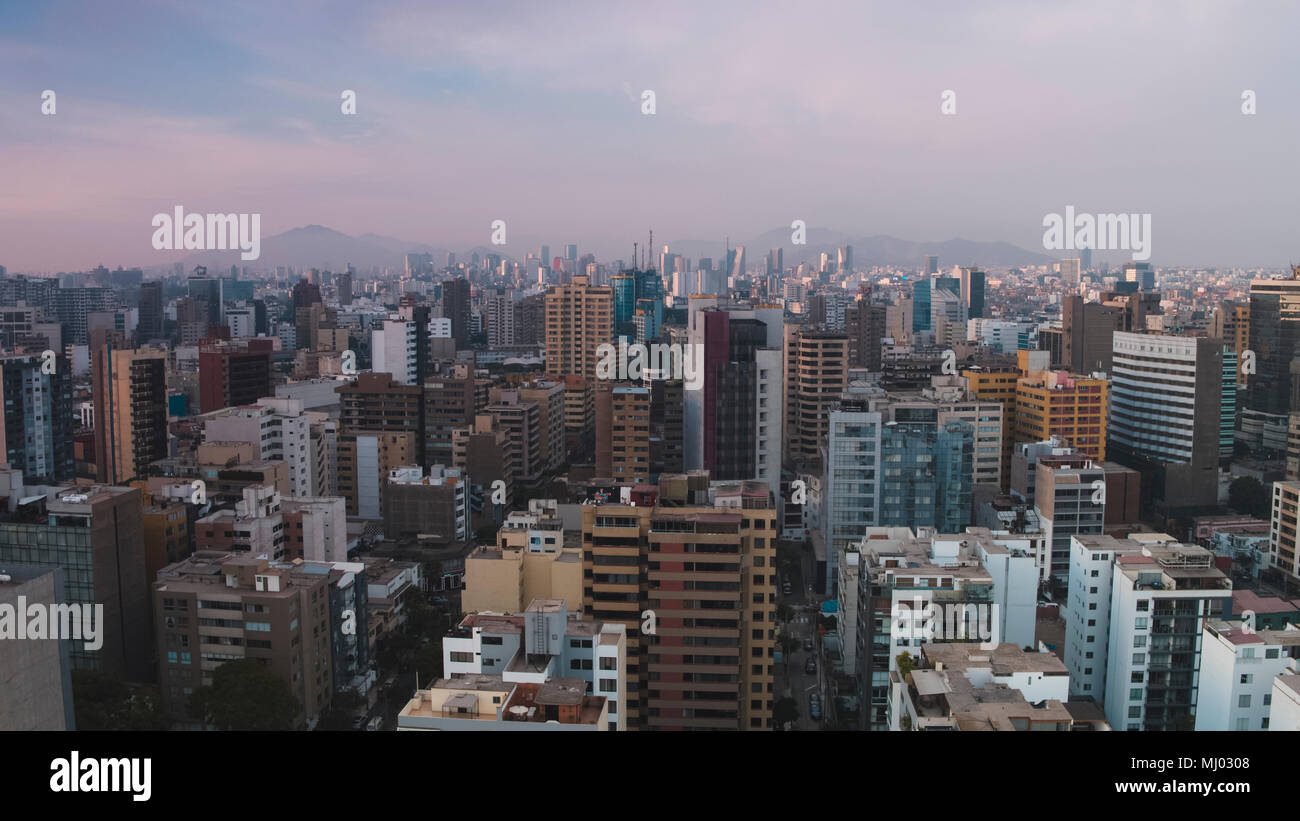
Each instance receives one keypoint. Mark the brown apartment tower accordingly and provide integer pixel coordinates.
(696, 588)
(130, 399)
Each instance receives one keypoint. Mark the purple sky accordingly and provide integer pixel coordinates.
(531, 113)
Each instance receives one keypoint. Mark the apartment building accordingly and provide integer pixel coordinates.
(93, 533)
(530, 560)
(1087, 612)
(217, 606)
(579, 318)
(914, 588)
(707, 575)
(1160, 602)
(35, 676)
(1070, 500)
(278, 428)
(816, 377)
(130, 397)
(623, 433)
(1238, 667)
(432, 506)
(542, 645)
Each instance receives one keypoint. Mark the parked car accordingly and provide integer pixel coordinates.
(787, 590)
(815, 707)
(810, 666)
(808, 645)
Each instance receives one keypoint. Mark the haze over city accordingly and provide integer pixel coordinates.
(829, 113)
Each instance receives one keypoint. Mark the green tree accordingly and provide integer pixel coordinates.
(102, 701)
(1248, 496)
(245, 695)
(785, 711)
(905, 664)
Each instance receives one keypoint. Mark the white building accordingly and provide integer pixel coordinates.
(1284, 709)
(324, 526)
(1160, 601)
(393, 350)
(1238, 668)
(278, 427)
(1087, 611)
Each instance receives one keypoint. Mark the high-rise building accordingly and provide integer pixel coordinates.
(579, 319)
(1275, 339)
(93, 533)
(677, 677)
(1231, 323)
(233, 373)
(1142, 273)
(381, 427)
(1070, 500)
(972, 291)
(150, 326)
(816, 376)
(277, 428)
(130, 400)
(623, 433)
(35, 676)
(433, 507)
(733, 421)
(866, 326)
(36, 436)
(900, 570)
(1087, 327)
(213, 608)
(1165, 415)
(1070, 271)
(1159, 606)
(456, 307)
(394, 348)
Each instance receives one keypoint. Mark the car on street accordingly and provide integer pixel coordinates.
(810, 666)
(786, 589)
(808, 645)
(815, 707)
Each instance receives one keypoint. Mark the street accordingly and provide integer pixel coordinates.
(791, 680)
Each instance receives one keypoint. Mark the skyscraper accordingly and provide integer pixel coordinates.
(36, 436)
(1275, 339)
(150, 326)
(456, 307)
(130, 397)
(1142, 273)
(1165, 403)
(579, 319)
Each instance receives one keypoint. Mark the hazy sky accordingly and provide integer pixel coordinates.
(531, 113)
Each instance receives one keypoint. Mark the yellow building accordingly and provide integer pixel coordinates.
(529, 561)
(1040, 403)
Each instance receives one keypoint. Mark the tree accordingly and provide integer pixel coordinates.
(785, 711)
(245, 695)
(905, 665)
(102, 701)
(1248, 496)
(788, 645)
(784, 613)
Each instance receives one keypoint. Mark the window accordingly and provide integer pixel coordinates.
(1135, 694)
(1139, 641)
(1247, 678)
(462, 657)
(1243, 701)
(608, 663)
